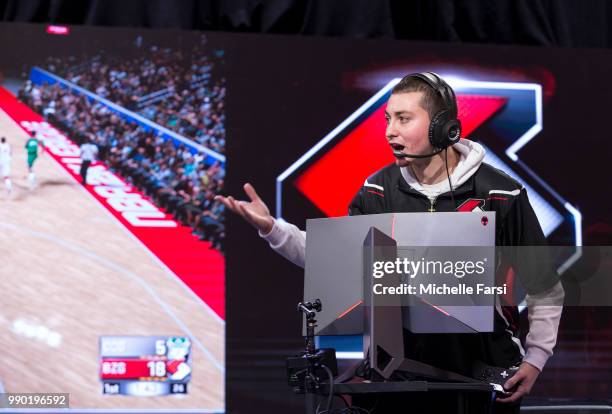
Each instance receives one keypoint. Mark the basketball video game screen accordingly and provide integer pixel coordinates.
(113, 283)
(127, 286)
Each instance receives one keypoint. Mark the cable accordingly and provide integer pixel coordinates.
(450, 185)
(348, 409)
(317, 408)
(331, 386)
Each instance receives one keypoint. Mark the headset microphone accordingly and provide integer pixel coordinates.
(399, 154)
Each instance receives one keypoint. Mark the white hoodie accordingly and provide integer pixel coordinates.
(471, 155)
(290, 242)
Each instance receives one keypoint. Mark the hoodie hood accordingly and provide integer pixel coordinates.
(471, 156)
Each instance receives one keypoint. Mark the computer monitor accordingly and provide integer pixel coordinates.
(335, 268)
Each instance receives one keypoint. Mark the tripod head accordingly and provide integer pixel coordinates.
(309, 309)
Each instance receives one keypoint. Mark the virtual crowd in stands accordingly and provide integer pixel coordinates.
(177, 180)
(180, 91)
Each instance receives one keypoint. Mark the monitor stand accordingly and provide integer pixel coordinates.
(383, 325)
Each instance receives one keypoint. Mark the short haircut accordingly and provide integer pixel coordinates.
(431, 101)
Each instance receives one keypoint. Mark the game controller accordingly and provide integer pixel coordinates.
(496, 376)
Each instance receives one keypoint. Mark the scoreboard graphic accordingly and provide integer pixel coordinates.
(145, 365)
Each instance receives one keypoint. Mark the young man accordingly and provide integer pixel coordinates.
(31, 147)
(5, 164)
(435, 171)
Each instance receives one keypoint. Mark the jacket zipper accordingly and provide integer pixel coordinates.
(432, 205)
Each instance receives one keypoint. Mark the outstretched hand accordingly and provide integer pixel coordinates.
(255, 211)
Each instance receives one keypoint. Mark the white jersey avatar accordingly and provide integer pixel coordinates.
(5, 165)
(5, 159)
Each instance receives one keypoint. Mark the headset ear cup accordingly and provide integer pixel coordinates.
(444, 132)
(452, 131)
(437, 133)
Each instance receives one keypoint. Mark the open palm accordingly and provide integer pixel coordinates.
(255, 211)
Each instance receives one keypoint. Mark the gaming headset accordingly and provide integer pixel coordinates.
(444, 127)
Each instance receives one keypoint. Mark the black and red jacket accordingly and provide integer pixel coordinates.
(488, 189)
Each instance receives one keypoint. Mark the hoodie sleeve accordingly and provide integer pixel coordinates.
(288, 241)
(533, 265)
(544, 313)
